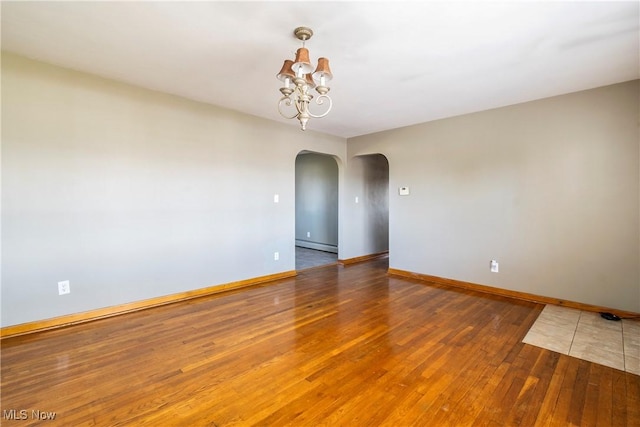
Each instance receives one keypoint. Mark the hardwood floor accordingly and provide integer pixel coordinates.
(334, 346)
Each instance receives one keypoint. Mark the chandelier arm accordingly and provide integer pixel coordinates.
(320, 101)
(287, 102)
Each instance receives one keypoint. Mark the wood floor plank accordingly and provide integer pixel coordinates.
(332, 346)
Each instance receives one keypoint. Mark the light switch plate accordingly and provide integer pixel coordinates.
(494, 266)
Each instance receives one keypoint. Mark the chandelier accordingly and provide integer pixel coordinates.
(298, 77)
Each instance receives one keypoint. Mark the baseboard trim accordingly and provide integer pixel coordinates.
(363, 258)
(101, 313)
(511, 294)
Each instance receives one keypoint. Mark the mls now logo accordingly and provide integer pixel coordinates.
(23, 414)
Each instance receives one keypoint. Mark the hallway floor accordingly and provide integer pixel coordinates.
(308, 258)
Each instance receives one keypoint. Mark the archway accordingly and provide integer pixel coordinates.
(316, 210)
(369, 222)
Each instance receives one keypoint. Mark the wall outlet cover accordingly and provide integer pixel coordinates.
(64, 287)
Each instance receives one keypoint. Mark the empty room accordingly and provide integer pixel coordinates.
(353, 213)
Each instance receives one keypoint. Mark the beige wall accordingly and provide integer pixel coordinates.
(548, 188)
(132, 194)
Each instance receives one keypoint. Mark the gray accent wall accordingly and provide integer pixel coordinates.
(132, 194)
(317, 202)
(368, 200)
(550, 189)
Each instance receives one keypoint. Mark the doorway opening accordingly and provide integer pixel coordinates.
(316, 205)
(369, 176)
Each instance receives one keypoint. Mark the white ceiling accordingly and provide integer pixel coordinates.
(394, 63)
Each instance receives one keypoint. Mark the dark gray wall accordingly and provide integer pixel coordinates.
(368, 201)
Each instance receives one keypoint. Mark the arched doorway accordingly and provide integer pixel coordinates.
(369, 221)
(316, 210)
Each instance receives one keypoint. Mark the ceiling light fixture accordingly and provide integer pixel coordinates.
(300, 73)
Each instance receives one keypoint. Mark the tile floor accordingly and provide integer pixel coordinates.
(588, 336)
(307, 258)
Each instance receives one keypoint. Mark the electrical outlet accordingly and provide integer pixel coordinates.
(494, 266)
(64, 288)
(276, 256)
(308, 234)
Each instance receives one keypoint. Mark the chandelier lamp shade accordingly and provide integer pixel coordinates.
(299, 77)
